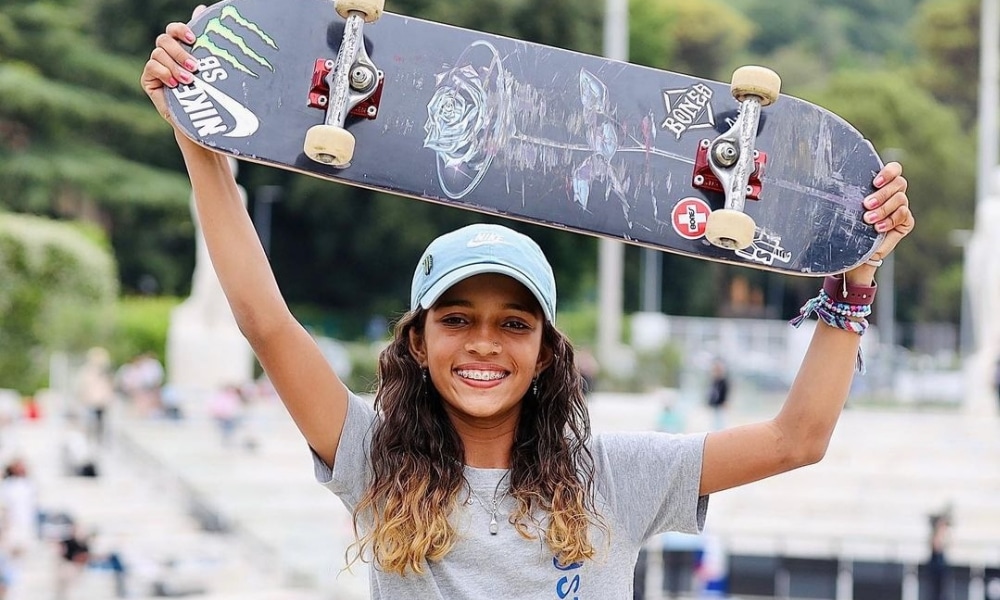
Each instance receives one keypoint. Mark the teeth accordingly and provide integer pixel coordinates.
(482, 375)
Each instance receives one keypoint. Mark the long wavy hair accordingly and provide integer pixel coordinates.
(417, 462)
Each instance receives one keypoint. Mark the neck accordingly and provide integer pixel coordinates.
(487, 447)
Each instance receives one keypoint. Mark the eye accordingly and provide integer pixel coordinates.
(517, 325)
(454, 320)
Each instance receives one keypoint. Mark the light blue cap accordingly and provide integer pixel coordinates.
(477, 249)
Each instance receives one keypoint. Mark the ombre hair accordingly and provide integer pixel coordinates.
(417, 462)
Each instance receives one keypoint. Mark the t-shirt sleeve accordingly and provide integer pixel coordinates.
(650, 481)
(352, 465)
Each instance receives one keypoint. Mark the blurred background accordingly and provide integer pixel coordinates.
(145, 456)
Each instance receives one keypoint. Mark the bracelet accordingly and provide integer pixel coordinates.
(836, 286)
(841, 315)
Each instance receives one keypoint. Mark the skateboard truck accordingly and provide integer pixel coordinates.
(347, 83)
(734, 161)
(361, 81)
(705, 179)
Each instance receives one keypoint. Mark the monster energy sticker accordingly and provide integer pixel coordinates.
(232, 42)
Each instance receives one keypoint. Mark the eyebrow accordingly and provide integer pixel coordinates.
(458, 302)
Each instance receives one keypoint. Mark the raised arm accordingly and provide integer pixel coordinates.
(801, 431)
(311, 391)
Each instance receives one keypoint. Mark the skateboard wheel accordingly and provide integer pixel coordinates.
(760, 82)
(730, 229)
(329, 145)
(371, 9)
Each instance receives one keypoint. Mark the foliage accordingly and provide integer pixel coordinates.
(59, 287)
(947, 33)
(697, 37)
(92, 158)
(140, 326)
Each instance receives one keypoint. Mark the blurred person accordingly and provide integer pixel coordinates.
(74, 554)
(718, 393)
(474, 473)
(937, 564)
(226, 408)
(588, 366)
(78, 450)
(19, 525)
(96, 390)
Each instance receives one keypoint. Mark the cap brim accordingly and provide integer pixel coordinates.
(449, 279)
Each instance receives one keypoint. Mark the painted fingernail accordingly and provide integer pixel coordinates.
(870, 202)
(882, 226)
(189, 36)
(172, 83)
(185, 77)
(190, 65)
(871, 216)
(879, 180)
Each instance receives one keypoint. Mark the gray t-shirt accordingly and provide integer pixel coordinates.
(646, 483)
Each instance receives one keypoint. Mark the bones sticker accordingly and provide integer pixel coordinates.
(689, 217)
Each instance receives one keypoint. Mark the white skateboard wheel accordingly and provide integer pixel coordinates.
(329, 145)
(730, 229)
(760, 82)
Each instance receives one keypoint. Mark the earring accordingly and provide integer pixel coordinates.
(423, 375)
(534, 386)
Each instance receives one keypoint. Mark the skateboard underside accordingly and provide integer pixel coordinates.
(529, 132)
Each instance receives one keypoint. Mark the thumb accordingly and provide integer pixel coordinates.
(198, 10)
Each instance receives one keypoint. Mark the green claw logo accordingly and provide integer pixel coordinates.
(217, 27)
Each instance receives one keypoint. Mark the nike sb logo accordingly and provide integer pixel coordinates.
(231, 40)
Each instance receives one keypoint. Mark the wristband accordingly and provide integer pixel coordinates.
(837, 288)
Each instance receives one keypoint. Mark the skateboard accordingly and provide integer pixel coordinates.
(736, 173)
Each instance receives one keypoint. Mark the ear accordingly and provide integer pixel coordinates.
(545, 359)
(418, 347)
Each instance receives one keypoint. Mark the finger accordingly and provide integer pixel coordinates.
(198, 10)
(888, 173)
(897, 185)
(155, 75)
(897, 226)
(880, 215)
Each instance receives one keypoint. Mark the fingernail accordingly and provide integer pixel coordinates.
(879, 180)
(870, 202)
(871, 217)
(190, 65)
(172, 83)
(189, 36)
(882, 226)
(185, 77)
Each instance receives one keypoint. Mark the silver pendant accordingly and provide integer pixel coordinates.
(494, 528)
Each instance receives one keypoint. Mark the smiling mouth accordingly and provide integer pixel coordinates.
(477, 375)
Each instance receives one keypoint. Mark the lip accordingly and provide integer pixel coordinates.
(496, 374)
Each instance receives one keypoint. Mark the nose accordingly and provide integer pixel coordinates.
(483, 342)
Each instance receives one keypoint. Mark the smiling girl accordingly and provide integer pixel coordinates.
(474, 474)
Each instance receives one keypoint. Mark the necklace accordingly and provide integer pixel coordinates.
(494, 505)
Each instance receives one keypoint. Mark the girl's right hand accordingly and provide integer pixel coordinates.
(169, 63)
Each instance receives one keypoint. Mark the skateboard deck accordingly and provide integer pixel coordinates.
(530, 132)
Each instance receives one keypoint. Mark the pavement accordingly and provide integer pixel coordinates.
(249, 522)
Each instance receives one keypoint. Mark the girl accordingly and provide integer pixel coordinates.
(474, 475)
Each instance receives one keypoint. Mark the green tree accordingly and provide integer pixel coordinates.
(78, 139)
(696, 37)
(947, 34)
(59, 290)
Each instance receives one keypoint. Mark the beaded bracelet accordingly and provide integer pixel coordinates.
(848, 316)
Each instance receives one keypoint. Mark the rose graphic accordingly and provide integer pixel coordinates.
(454, 115)
(469, 118)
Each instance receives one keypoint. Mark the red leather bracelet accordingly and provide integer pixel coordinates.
(840, 291)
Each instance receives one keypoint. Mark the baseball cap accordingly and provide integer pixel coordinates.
(477, 249)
